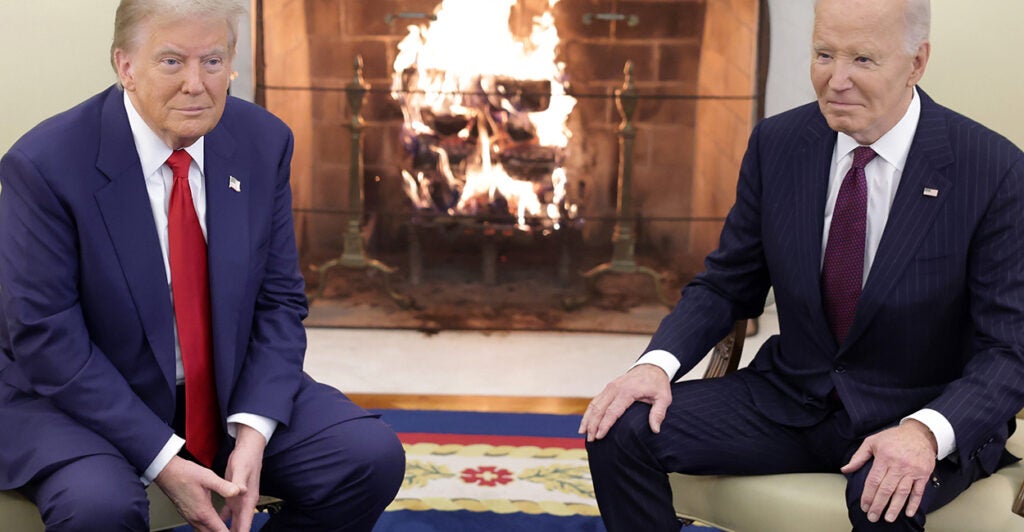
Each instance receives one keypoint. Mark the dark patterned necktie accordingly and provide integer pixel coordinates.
(842, 272)
(190, 286)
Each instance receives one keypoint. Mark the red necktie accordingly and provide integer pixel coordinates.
(190, 286)
(842, 272)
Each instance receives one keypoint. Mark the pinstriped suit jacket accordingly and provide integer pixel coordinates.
(940, 322)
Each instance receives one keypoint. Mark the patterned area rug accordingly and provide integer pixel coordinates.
(490, 472)
(503, 464)
(470, 471)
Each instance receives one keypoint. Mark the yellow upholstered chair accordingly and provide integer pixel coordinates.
(18, 514)
(816, 502)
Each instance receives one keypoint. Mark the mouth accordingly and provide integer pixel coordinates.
(842, 105)
(192, 110)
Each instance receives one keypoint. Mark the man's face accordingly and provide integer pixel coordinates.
(178, 77)
(861, 71)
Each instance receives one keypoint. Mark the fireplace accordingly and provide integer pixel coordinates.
(695, 70)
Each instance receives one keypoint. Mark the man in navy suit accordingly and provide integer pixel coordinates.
(94, 378)
(899, 363)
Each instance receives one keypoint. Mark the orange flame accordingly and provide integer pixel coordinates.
(454, 67)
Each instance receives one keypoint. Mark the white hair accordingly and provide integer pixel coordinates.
(917, 19)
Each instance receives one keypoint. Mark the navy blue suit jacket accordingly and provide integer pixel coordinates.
(940, 321)
(86, 322)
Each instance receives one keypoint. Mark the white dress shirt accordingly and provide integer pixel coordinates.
(883, 178)
(153, 154)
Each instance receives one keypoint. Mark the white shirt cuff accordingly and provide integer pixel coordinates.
(263, 425)
(663, 359)
(170, 450)
(940, 427)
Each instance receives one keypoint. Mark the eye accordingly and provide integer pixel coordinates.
(213, 64)
(823, 56)
(862, 60)
(170, 61)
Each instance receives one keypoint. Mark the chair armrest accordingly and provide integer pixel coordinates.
(725, 357)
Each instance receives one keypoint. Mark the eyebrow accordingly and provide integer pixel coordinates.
(170, 50)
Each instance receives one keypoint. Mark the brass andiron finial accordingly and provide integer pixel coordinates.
(353, 255)
(623, 239)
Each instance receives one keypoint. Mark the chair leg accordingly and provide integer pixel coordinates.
(1018, 504)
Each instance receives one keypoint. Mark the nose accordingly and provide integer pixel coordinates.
(840, 78)
(192, 83)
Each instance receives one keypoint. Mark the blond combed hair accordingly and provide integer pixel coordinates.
(133, 15)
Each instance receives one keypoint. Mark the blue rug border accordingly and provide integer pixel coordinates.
(481, 423)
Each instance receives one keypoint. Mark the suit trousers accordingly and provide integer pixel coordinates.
(339, 479)
(713, 427)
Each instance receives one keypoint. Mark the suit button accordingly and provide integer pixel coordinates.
(840, 368)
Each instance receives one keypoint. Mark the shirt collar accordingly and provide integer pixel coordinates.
(894, 145)
(153, 152)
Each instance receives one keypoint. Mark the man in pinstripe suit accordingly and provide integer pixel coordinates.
(911, 393)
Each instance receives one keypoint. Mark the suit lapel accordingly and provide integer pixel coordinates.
(912, 212)
(811, 170)
(125, 208)
(227, 223)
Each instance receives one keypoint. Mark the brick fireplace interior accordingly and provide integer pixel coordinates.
(698, 72)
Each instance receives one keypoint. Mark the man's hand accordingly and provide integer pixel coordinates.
(188, 485)
(646, 383)
(243, 469)
(904, 460)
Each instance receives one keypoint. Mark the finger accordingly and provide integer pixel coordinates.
(611, 415)
(883, 495)
(871, 483)
(226, 489)
(243, 519)
(899, 498)
(592, 417)
(225, 512)
(916, 495)
(858, 459)
(208, 520)
(601, 405)
(588, 415)
(658, 411)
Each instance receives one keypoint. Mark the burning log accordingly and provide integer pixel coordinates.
(519, 95)
(483, 140)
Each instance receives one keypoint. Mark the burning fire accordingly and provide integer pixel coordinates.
(485, 114)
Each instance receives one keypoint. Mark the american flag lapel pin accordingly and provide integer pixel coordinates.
(931, 192)
(234, 184)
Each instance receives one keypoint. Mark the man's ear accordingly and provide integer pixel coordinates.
(125, 69)
(920, 61)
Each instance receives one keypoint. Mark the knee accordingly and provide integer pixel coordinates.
(373, 465)
(631, 427)
(622, 464)
(97, 507)
(383, 463)
(859, 518)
